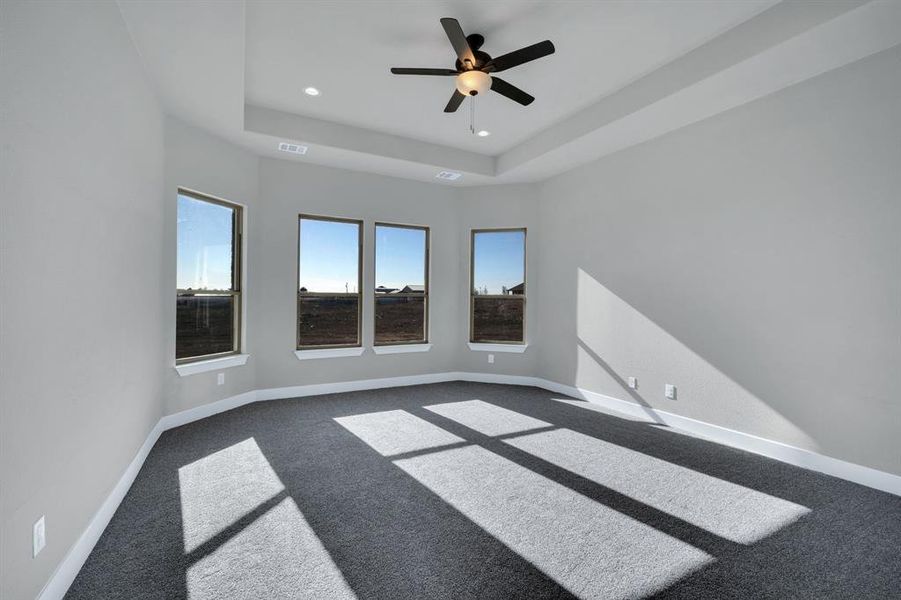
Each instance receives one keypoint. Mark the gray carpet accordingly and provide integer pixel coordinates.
(464, 490)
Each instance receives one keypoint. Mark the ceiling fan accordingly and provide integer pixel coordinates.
(473, 67)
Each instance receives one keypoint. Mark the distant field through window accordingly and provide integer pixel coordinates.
(498, 286)
(402, 284)
(329, 281)
(208, 278)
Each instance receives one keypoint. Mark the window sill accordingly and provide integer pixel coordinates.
(401, 348)
(213, 364)
(328, 353)
(515, 348)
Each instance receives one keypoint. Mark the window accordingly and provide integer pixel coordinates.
(329, 282)
(208, 299)
(498, 286)
(402, 284)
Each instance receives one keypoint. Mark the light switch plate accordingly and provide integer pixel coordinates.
(38, 537)
(491, 359)
(633, 383)
(670, 391)
(220, 378)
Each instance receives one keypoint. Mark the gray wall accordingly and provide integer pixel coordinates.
(497, 207)
(82, 323)
(275, 192)
(288, 188)
(201, 162)
(752, 259)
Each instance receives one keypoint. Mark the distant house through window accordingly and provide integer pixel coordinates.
(208, 277)
(498, 286)
(329, 282)
(402, 284)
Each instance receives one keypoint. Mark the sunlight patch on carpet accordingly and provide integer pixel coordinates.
(396, 432)
(219, 489)
(590, 549)
(488, 419)
(277, 556)
(729, 510)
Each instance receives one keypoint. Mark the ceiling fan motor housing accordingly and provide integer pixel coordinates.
(482, 59)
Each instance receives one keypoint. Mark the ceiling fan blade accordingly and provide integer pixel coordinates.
(518, 57)
(458, 40)
(455, 102)
(416, 71)
(510, 91)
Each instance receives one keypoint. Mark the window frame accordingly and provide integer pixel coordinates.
(359, 294)
(424, 295)
(472, 295)
(237, 291)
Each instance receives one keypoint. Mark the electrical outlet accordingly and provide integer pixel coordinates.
(669, 391)
(38, 537)
(490, 359)
(220, 378)
(633, 383)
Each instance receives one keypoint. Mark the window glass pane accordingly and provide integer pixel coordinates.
(206, 322)
(400, 274)
(328, 297)
(205, 238)
(498, 262)
(399, 318)
(204, 325)
(497, 319)
(399, 258)
(327, 320)
(329, 256)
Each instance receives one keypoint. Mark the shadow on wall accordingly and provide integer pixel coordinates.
(616, 341)
(477, 491)
(622, 383)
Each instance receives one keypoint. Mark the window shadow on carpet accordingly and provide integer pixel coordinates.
(465, 490)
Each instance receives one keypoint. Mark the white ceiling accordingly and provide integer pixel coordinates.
(623, 72)
(346, 49)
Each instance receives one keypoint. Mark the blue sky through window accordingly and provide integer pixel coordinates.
(329, 253)
(204, 245)
(399, 256)
(498, 260)
(329, 256)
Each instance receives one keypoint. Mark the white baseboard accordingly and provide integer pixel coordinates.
(880, 480)
(207, 410)
(317, 389)
(65, 574)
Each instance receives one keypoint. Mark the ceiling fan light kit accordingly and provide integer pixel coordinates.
(474, 69)
(471, 83)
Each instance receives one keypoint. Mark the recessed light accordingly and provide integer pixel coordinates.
(311, 91)
(292, 148)
(449, 175)
(484, 133)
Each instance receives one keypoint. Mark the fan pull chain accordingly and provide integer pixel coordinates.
(472, 114)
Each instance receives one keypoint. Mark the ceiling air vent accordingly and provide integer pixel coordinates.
(449, 175)
(292, 148)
